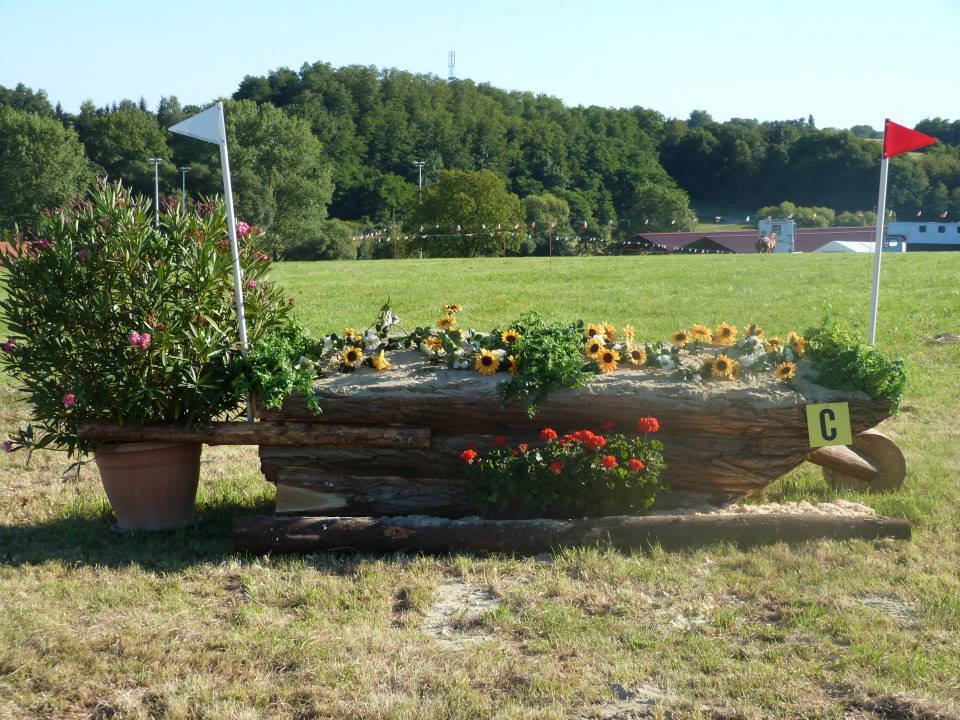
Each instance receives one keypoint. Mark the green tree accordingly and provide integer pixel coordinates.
(666, 208)
(477, 202)
(334, 241)
(281, 179)
(42, 164)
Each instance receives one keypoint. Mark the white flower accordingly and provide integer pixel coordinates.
(666, 362)
(749, 360)
(371, 341)
(751, 344)
(427, 350)
(458, 353)
(500, 353)
(327, 344)
(305, 362)
(389, 319)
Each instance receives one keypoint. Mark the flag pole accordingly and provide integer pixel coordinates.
(878, 247)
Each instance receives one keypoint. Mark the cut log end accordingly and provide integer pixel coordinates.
(873, 464)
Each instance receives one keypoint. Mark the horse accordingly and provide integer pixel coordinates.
(766, 244)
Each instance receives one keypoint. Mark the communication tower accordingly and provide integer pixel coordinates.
(451, 63)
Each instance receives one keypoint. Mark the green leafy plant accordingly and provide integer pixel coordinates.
(549, 356)
(844, 361)
(114, 319)
(580, 473)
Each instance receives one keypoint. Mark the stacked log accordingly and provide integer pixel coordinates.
(721, 442)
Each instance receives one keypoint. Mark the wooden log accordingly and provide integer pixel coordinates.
(430, 534)
(845, 461)
(880, 452)
(264, 433)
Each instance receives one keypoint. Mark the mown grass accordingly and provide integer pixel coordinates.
(95, 624)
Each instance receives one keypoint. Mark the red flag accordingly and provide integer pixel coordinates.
(899, 139)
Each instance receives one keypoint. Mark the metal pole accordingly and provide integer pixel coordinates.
(156, 188)
(419, 164)
(878, 248)
(183, 190)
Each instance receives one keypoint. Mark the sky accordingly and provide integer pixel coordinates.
(846, 62)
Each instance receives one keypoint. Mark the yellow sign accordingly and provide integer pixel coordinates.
(829, 424)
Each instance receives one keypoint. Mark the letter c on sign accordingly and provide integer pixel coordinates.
(828, 432)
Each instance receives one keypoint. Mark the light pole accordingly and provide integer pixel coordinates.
(419, 165)
(156, 186)
(183, 187)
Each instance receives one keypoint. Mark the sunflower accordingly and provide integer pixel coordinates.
(435, 343)
(352, 357)
(723, 367)
(451, 309)
(680, 338)
(510, 336)
(487, 362)
(608, 359)
(513, 367)
(753, 329)
(726, 334)
(593, 347)
(628, 334)
(447, 322)
(380, 362)
(786, 372)
(791, 337)
(638, 357)
(701, 333)
(774, 344)
(350, 334)
(799, 345)
(593, 330)
(609, 331)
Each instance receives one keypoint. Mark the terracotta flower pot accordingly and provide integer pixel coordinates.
(151, 485)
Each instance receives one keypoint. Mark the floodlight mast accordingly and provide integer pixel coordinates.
(419, 165)
(183, 188)
(156, 187)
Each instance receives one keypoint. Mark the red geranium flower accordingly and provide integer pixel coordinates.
(548, 434)
(648, 424)
(608, 461)
(608, 425)
(556, 467)
(523, 447)
(468, 456)
(500, 439)
(636, 465)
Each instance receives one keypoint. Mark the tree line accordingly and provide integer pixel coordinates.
(323, 153)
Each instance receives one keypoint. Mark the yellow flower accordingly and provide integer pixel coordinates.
(680, 338)
(447, 322)
(510, 336)
(726, 334)
(753, 329)
(701, 333)
(799, 345)
(350, 334)
(380, 361)
(435, 343)
(487, 362)
(608, 359)
(774, 344)
(637, 356)
(451, 309)
(593, 348)
(352, 357)
(609, 331)
(791, 337)
(628, 334)
(786, 371)
(593, 330)
(513, 367)
(723, 367)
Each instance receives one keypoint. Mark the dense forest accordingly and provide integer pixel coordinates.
(324, 155)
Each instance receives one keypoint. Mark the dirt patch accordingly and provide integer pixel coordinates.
(454, 617)
(894, 707)
(905, 612)
(637, 702)
(842, 508)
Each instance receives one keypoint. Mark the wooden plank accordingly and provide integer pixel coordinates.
(261, 534)
(264, 433)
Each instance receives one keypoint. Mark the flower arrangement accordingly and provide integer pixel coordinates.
(579, 473)
(115, 319)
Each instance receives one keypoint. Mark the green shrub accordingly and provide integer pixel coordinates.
(845, 362)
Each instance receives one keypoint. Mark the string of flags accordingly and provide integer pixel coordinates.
(425, 232)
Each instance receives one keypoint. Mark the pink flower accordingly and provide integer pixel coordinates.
(145, 341)
(243, 229)
(83, 254)
(8, 446)
(161, 326)
(9, 345)
(69, 400)
(251, 284)
(134, 339)
(42, 244)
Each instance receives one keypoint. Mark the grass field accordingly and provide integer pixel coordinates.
(95, 624)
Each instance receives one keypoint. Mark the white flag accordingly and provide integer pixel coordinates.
(207, 126)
